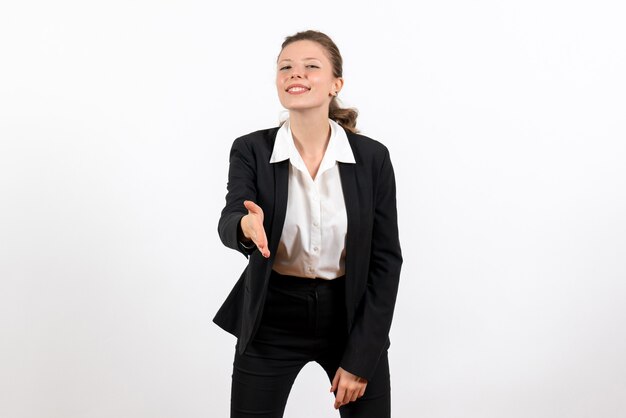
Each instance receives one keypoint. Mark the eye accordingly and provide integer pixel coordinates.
(312, 66)
(286, 67)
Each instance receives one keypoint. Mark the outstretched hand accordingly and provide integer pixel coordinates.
(252, 227)
(349, 387)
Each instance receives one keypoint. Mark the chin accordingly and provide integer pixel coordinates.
(301, 106)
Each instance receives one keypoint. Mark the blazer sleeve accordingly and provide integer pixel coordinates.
(241, 186)
(369, 334)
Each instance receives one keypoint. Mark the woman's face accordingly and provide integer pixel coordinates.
(304, 77)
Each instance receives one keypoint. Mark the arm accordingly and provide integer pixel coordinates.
(241, 187)
(370, 331)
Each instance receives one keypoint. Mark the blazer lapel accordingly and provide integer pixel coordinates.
(347, 173)
(281, 186)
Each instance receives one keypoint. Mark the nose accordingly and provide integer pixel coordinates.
(295, 74)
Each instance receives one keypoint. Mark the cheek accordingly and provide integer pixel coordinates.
(279, 85)
(321, 80)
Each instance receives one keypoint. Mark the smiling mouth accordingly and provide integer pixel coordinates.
(297, 90)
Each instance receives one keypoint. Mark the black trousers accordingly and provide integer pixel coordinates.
(303, 320)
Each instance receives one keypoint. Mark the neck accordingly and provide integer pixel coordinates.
(311, 132)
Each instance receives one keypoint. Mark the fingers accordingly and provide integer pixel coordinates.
(355, 395)
(349, 387)
(362, 392)
(263, 248)
(340, 398)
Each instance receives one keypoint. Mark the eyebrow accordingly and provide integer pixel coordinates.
(305, 59)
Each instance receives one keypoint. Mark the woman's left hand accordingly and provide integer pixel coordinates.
(349, 387)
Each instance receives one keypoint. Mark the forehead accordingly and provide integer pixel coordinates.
(301, 50)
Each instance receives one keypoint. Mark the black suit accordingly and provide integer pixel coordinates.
(373, 255)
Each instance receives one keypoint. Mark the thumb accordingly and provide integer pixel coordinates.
(335, 382)
(252, 207)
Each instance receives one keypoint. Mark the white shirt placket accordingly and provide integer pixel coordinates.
(316, 230)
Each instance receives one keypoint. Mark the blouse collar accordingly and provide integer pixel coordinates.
(338, 149)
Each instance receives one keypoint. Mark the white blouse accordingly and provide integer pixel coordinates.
(312, 243)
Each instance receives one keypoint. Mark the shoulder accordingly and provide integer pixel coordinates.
(257, 138)
(257, 145)
(367, 150)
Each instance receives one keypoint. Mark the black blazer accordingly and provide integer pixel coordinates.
(373, 255)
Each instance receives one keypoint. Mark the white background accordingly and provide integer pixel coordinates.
(506, 126)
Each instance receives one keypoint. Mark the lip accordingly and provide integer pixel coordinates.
(301, 89)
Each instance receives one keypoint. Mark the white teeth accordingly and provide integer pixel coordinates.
(297, 89)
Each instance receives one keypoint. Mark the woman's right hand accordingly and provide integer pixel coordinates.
(252, 227)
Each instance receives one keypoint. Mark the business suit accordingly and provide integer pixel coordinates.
(373, 255)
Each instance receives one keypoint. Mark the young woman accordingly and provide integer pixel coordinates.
(312, 204)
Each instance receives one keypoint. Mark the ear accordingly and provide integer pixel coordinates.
(337, 86)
